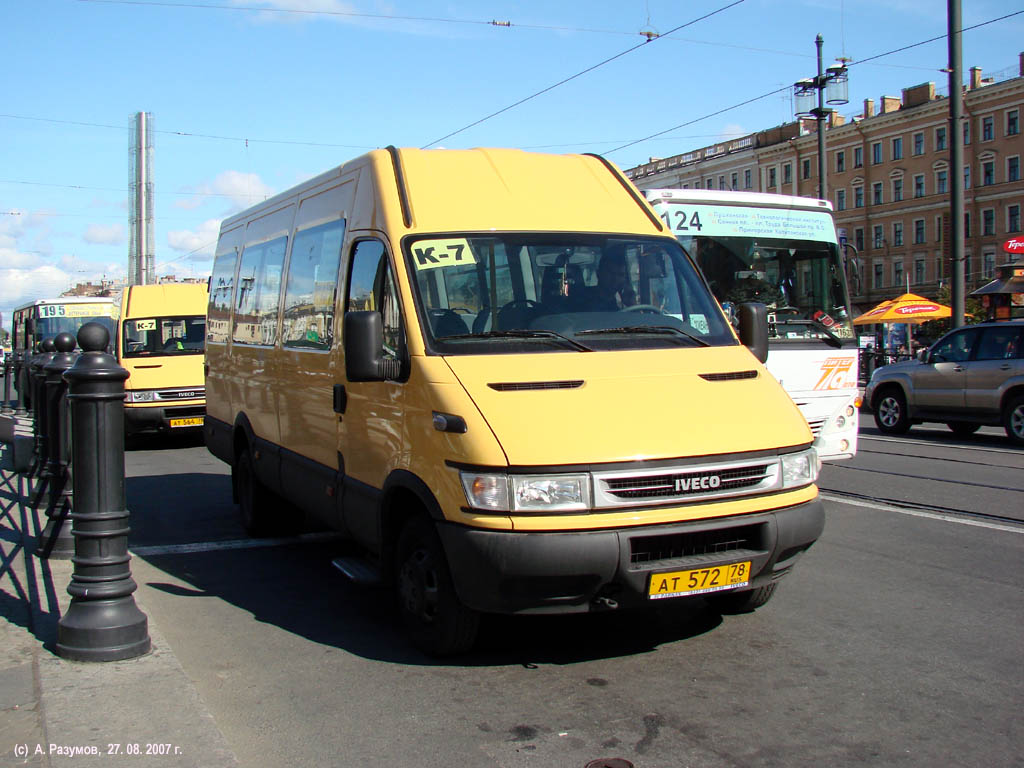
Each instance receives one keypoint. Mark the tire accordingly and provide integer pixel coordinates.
(437, 623)
(1013, 419)
(254, 501)
(743, 601)
(963, 428)
(890, 409)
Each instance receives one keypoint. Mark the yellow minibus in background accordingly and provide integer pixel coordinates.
(500, 373)
(161, 339)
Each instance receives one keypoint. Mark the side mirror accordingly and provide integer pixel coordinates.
(753, 327)
(922, 354)
(363, 334)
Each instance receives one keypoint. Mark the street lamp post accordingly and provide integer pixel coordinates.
(830, 86)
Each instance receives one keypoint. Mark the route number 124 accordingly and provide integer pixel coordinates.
(683, 222)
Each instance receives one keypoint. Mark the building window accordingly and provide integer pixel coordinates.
(879, 236)
(721, 182)
(987, 128)
(1012, 123)
(787, 173)
(967, 177)
(897, 148)
(1013, 218)
(734, 180)
(988, 261)
(878, 279)
(897, 190)
(858, 197)
(746, 179)
(918, 231)
(771, 178)
(919, 143)
(940, 139)
(840, 199)
(988, 221)
(967, 132)
(897, 272)
(805, 169)
(876, 153)
(858, 238)
(897, 234)
(1013, 168)
(876, 193)
(967, 225)
(988, 174)
(858, 157)
(941, 182)
(918, 271)
(919, 185)
(840, 161)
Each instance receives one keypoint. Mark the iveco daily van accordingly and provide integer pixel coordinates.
(161, 341)
(499, 373)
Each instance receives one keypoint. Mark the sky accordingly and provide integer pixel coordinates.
(250, 97)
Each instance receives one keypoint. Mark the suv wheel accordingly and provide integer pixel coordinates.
(891, 411)
(1013, 419)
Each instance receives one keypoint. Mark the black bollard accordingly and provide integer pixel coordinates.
(56, 540)
(21, 382)
(37, 402)
(7, 410)
(103, 623)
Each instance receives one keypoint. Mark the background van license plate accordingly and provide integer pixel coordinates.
(699, 581)
(195, 421)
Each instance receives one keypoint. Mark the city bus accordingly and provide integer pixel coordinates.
(781, 251)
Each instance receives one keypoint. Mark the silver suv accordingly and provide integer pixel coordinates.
(971, 376)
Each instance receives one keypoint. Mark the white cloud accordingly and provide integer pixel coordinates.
(18, 286)
(12, 258)
(113, 234)
(241, 189)
(731, 131)
(199, 242)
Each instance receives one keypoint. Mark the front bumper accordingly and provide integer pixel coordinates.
(580, 571)
(163, 418)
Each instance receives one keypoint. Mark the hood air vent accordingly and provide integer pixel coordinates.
(734, 376)
(522, 386)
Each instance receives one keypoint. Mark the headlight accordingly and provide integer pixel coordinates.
(141, 397)
(800, 468)
(527, 493)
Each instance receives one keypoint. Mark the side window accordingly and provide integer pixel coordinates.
(312, 287)
(372, 287)
(259, 289)
(955, 348)
(222, 283)
(999, 343)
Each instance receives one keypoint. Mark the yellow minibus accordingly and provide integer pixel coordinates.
(161, 342)
(500, 374)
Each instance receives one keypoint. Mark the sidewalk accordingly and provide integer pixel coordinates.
(66, 714)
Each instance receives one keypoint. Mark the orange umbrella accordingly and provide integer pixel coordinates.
(908, 308)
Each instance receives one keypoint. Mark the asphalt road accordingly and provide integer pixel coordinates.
(896, 641)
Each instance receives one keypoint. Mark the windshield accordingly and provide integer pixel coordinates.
(49, 327)
(487, 293)
(162, 336)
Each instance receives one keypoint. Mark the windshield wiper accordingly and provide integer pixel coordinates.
(647, 329)
(831, 339)
(518, 334)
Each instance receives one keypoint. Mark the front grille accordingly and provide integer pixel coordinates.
(684, 484)
(184, 411)
(733, 376)
(816, 427)
(522, 386)
(194, 393)
(719, 541)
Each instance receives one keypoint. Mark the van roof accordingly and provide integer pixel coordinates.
(444, 190)
(164, 299)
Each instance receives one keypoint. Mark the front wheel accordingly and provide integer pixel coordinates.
(254, 504)
(437, 622)
(743, 602)
(891, 412)
(1013, 419)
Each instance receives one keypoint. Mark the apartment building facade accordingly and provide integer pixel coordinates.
(889, 179)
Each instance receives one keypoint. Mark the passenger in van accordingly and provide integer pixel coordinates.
(613, 291)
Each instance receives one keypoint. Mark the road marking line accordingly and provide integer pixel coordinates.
(921, 513)
(215, 546)
(911, 441)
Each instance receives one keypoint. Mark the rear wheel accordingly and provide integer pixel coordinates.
(963, 428)
(743, 602)
(254, 503)
(891, 411)
(436, 621)
(1013, 419)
